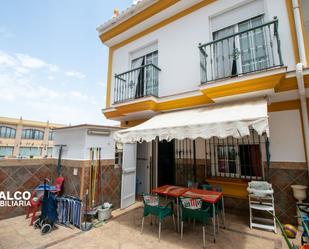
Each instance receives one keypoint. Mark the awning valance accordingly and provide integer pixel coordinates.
(222, 120)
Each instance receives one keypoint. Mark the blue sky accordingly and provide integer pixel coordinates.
(52, 63)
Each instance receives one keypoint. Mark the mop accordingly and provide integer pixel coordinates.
(95, 172)
(99, 177)
(89, 175)
(86, 226)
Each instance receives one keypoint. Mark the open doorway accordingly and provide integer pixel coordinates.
(143, 168)
(166, 163)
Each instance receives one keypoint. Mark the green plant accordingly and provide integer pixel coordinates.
(289, 244)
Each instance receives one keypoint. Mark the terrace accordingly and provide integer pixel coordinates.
(123, 231)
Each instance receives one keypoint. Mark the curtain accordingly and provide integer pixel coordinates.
(137, 77)
(140, 83)
(223, 53)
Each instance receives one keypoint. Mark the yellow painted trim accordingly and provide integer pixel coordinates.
(143, 33)
(284, 106)
(232, 89)
(162, 106)
(231, 187)
(138, 18)
(132, 123)
(246, 86)
(183, 103)
(109, 77)
(290, 11)
(164, 22)
(279, 83)
(304, 32)
(289, 84)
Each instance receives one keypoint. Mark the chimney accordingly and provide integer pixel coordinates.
(116, 12)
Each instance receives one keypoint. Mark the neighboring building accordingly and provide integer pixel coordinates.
(175, 56)
(78, 139)
(25, 138)
(77, 160)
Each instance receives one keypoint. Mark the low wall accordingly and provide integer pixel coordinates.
(282, 175)
(26, 174)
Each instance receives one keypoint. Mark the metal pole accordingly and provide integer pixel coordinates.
(267, 157)
(194, 161)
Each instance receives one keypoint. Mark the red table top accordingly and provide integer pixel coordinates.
(170, 190)
(206, 195)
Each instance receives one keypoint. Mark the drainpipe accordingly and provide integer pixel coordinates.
(304, 109)
(299, 33)
(300, 75)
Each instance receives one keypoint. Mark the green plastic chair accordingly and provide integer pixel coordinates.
(219, 204)
(194, 212)
(152, 207)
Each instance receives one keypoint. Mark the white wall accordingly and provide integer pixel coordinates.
(178, 42)
(78, 143)
(286, 139)
(74, 139)
(107, 143)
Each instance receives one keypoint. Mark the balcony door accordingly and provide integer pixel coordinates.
(246, 52)
(145, 77)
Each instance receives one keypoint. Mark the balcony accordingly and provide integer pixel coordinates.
(137, 83)
(249, 50)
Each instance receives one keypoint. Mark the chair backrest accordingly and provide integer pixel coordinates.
(151, 200)
(59, 182)
(192, 184)
(207, 187)
(191, 203)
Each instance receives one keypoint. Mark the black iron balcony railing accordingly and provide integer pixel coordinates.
(137, 83)
(251, 50)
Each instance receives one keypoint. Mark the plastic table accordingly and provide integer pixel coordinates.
(172, 191)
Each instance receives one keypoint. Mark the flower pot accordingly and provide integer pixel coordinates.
(299, 192)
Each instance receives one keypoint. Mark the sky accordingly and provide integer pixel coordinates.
(52, 64)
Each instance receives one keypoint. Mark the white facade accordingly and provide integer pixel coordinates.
(177, 42)
(78, 140)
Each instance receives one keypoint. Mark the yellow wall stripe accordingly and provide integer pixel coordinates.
(138, 18)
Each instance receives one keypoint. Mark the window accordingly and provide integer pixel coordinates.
(243, 53)
(145, 77)
(32, 134)
(227, 159)
(49, 151)
(30, 151)
(252, 46)
(7, 132)
(242, 160)
(6, 151)
(118, 154)
(51, 136)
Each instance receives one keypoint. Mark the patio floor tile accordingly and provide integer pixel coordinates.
(123, 232)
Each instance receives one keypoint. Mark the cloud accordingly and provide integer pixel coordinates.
(30, 62)
(75, 74)
(6, 59)
(26, 91)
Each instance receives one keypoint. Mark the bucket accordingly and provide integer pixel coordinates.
(104, 214)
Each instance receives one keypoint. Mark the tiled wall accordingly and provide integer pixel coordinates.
(22, 178)
(282, 176)
(25, 175)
